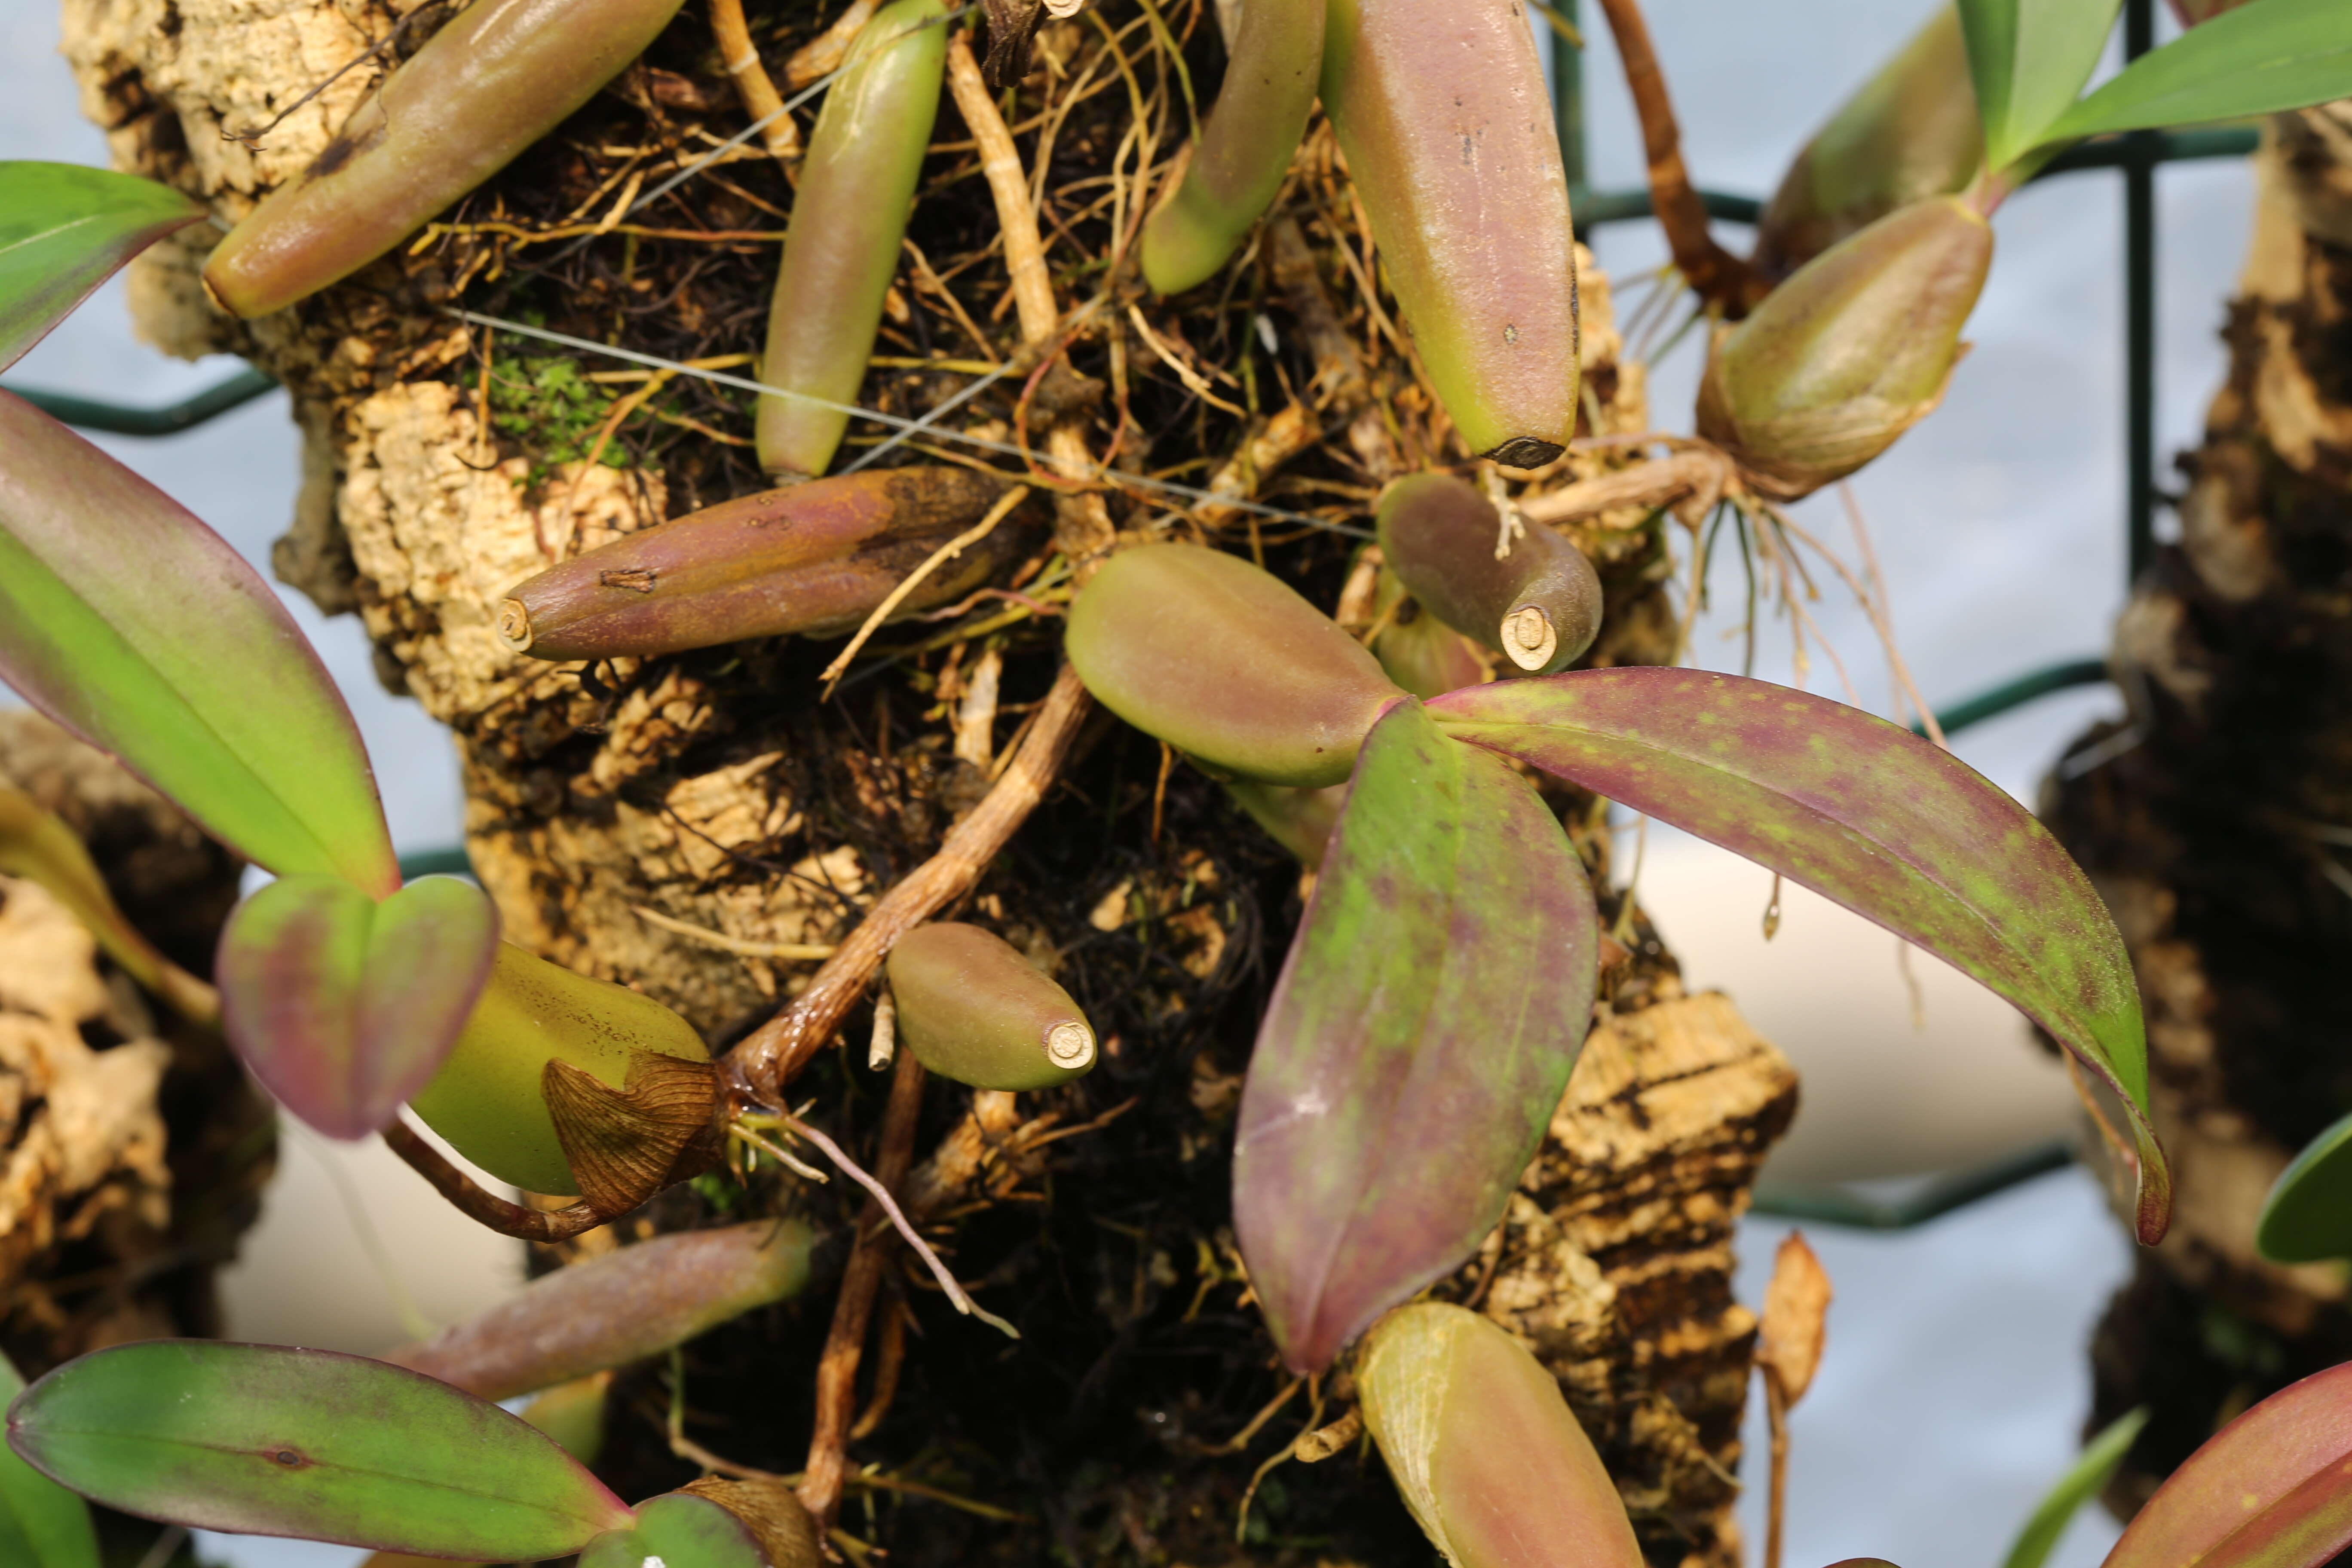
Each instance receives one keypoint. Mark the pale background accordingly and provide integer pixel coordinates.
(1955, 1385)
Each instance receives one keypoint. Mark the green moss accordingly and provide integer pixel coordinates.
(549, 408)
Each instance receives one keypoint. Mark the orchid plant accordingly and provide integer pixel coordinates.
(1441, 979)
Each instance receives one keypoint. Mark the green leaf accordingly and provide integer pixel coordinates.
(682, 1531)
(2308, 1218)
(42, 1525)
(135, 626)
(64, 230)
(2029, 58)
(267, 1440)
(2084, 1480)
(2272, 1489)
(1865, 813)
(1422, 1033)
(2257, 59)
(344, 1007)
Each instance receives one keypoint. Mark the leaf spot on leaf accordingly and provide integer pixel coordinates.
(292, 1458)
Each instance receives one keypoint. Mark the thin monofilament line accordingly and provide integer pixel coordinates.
(911, 426)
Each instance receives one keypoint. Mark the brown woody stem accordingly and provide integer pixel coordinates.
(845, 1343)
(771, 1058)
(1085, 529)
(1718, 277)
(761, 99)
(486, 1207)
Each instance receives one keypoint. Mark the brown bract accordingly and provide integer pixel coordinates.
(1796, 1311)
(813, 558)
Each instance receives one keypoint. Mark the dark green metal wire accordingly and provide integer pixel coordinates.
(122, 419)
(1844, 1206)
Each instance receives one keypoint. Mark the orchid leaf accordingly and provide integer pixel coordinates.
(64, 230)
(1864, 812)
(42, 1525)
(135, 626)
(37, 845)
(2029, 59)
(344, 1007)
(1421, 1035)
(267, 1440)
(2257, 59)
(679, 1530)
(2084, 1479)
(2307, 1217)
(2272, 1489)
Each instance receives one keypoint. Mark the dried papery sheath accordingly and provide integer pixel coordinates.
(972, 1008)
(841, 248)
(1538, 605)
(623, 1307)
(500, 76)
(1441, 107)
(1225, 663)
(813, 558)
(489, 1098)
(1910, 133)
(1849, 353)
(1244, 149)
(1484, 1449)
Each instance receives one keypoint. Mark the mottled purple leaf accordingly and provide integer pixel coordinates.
(1422, 1033)
(2272, 1489)
(344, 1007)
(64, 230)
(267, 1440)
(135, 626)
(1863, 812)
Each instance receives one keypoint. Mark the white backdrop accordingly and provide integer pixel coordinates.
(1955, 1381)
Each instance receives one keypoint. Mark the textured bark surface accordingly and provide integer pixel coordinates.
(714, 789)
(132, 1152)
(2217, 822)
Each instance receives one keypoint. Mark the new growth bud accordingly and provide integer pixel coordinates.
(1484, 1449)
(1852, 352)
(972, 1008)
(500, 76)
(841, 247)
(814, 559)
(1227, 664)
(537, 1020)
(1911, 132)
(1538, 605)
(1441, 107)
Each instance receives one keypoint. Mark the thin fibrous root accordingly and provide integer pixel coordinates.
(484, 1206)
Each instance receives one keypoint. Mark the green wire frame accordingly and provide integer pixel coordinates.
(2136, 154)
